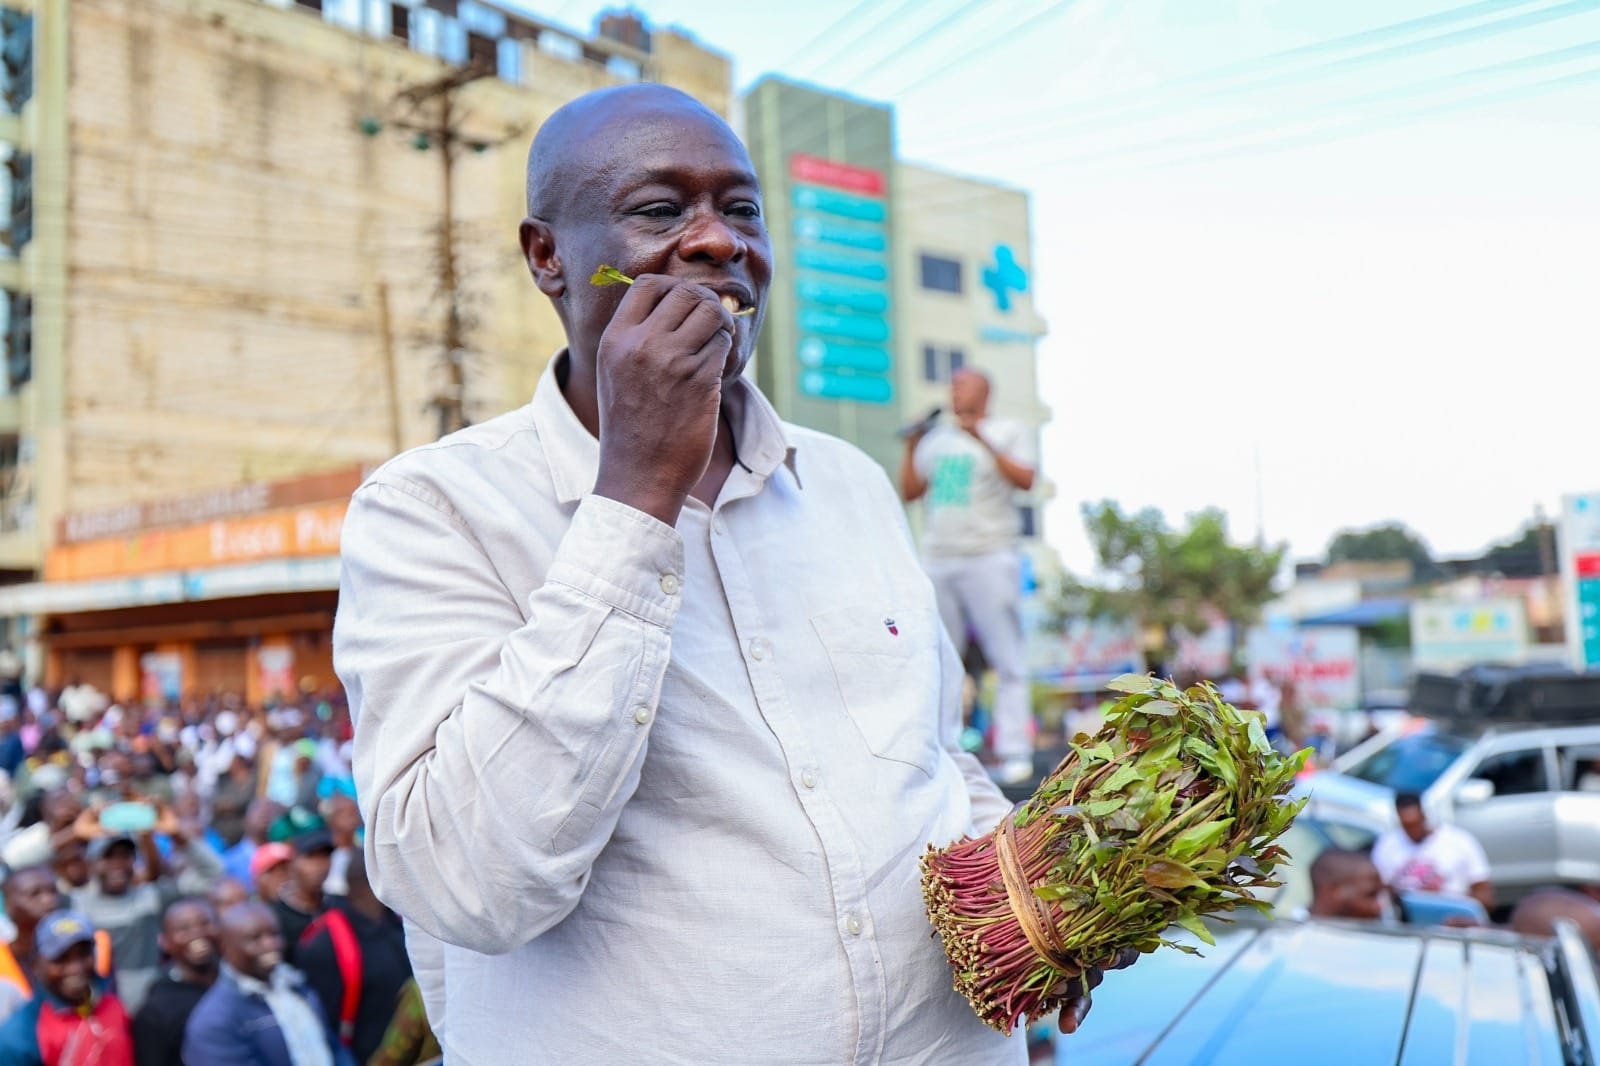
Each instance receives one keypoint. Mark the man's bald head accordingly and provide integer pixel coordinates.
(1537, 914)
(1345, 884)
(575, 140)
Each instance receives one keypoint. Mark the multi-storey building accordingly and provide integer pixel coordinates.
(252, 246)
(889, 276)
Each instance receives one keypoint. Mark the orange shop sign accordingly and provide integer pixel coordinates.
(291, 533)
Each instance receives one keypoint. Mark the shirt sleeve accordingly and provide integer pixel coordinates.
(1384, 857)
(497, 742)
(1013, 440)
(1474, 863)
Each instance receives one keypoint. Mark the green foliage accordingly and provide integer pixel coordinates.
(610, 275)
(1171, 578)
(1165, 817)
(1389, 542)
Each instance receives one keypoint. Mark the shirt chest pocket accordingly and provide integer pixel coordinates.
(888, 671)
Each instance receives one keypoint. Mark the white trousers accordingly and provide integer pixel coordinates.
(982, 594)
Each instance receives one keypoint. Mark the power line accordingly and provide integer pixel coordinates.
(851, 42)
(1343, 107)
(899, 52)
(1313, 139)
(1099, 114)
(943, 69)
(857, 9)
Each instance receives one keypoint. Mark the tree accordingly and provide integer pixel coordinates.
(1388, 542)
(1170, 579)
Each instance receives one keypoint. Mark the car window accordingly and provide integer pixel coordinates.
(1580, 768)
(1515, 773)
(1411, 763)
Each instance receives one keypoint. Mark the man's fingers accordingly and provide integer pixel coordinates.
(704, 319)
(712, 356)
(1073, 1012)
(641, 299)
(1125, 958)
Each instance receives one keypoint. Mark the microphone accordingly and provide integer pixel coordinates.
(923, 426)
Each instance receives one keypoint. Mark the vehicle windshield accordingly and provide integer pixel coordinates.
(1411, 764)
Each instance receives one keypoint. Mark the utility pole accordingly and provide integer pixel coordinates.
(440, 130)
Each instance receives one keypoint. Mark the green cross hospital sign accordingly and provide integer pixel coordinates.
(1005, 277)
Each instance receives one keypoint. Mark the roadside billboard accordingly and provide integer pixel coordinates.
(1087, 654)
(1322, 662)
(1448, 636)
(1580, 577)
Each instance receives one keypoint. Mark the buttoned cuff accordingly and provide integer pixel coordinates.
(624, 558)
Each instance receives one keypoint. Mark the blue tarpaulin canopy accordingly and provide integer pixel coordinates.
(1365, 613)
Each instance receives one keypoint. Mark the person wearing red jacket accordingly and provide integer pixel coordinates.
(73, 1019)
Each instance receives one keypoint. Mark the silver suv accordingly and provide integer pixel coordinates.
(1531, 795)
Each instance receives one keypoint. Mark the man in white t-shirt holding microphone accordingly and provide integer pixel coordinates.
(965, 473)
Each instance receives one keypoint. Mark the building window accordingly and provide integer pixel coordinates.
(314, 5)
(941, 274)
(1029, 521)
(16, 57)
(938, 363)
(17, 201)
(18, 308)
(400, 21)
(481, 52)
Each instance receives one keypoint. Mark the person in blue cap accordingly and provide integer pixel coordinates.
(73, 1016)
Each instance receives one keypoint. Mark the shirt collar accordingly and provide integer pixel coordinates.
(574, 456)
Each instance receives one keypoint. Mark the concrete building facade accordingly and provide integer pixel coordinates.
(231, 263)
(964, 293)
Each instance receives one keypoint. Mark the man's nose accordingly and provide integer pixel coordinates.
(709, 236)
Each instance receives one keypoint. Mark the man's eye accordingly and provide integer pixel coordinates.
(745, 210)
(659, 211)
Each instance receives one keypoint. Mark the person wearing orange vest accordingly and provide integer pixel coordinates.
(30, 895)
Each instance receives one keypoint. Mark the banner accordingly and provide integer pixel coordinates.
(1448, 636)
(275, 670)
(1208, 655)
(1088, 654)
(1322, 662)
(295, 532)
(161, 676)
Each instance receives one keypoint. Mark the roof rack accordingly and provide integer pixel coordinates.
(1508, 695)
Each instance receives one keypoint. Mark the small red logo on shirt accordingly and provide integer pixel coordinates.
(894, 630)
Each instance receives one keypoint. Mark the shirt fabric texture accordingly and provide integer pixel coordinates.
(1448, 860)
(133, 920)
(385, 970)
(969, 508)
(47, 1032)
(158, 1027)
(244, 1022)
(659, 788)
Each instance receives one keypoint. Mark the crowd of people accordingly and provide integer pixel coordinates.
(184, 884)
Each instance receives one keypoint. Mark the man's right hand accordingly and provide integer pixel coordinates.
(659, 390)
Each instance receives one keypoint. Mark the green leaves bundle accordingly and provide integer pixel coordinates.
(1166, 815)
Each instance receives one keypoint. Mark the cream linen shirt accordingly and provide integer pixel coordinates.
(660, 792)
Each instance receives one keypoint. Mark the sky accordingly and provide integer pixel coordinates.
(1353, 283)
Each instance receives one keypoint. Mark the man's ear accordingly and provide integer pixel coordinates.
(544, 263)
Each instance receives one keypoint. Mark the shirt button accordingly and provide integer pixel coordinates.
(808, 779)
(853, 924)
(670, 584)
(758, 649)
(718, 526)
(642, 716)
